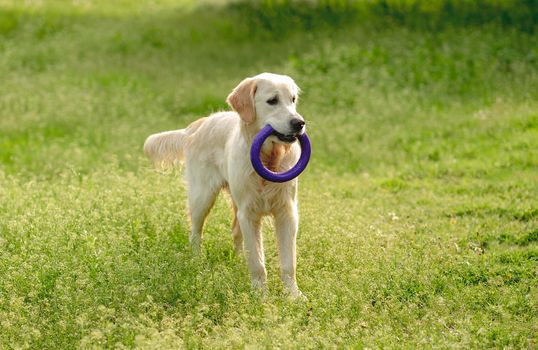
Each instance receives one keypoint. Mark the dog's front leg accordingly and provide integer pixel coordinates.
(250, 225)
(286, 226)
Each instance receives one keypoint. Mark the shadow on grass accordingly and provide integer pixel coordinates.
(278, 18)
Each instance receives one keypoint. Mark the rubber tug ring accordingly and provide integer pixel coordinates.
(269, 175)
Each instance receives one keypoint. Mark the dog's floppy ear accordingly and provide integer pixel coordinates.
(241, 99)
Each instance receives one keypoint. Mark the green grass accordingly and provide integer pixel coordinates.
(419, 210)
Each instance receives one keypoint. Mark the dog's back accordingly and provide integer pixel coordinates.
(166, 148)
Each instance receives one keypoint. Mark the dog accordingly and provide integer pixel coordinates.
(215, 151)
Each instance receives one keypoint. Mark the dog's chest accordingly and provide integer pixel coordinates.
(273, 155)
(274, 195)
(270, 195)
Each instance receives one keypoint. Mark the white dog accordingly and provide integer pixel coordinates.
(216, 152)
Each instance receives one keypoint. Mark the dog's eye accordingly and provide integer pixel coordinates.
(273, 101)
(293, 99)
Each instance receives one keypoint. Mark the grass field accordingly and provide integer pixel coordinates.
(419, 209)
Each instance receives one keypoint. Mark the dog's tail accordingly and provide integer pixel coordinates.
(166, 148)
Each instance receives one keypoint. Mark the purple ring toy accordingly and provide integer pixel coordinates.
(270, 175)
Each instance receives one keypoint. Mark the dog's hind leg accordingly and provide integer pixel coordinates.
(236, 232)
(201, 199)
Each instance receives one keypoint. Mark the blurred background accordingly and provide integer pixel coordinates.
(99, 75)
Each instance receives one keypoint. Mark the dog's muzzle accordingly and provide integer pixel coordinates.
(288, 138)
(297, 127)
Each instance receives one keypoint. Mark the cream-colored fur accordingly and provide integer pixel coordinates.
(216, 154)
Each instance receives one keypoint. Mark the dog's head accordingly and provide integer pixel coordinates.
(269, 99)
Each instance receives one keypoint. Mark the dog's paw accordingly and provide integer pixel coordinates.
(297, 295)
(259, 287)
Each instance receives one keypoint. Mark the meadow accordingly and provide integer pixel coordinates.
(419, 209)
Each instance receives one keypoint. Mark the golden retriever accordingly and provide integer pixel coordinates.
(216, 150)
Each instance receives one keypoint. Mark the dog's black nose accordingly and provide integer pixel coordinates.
(297, 124)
